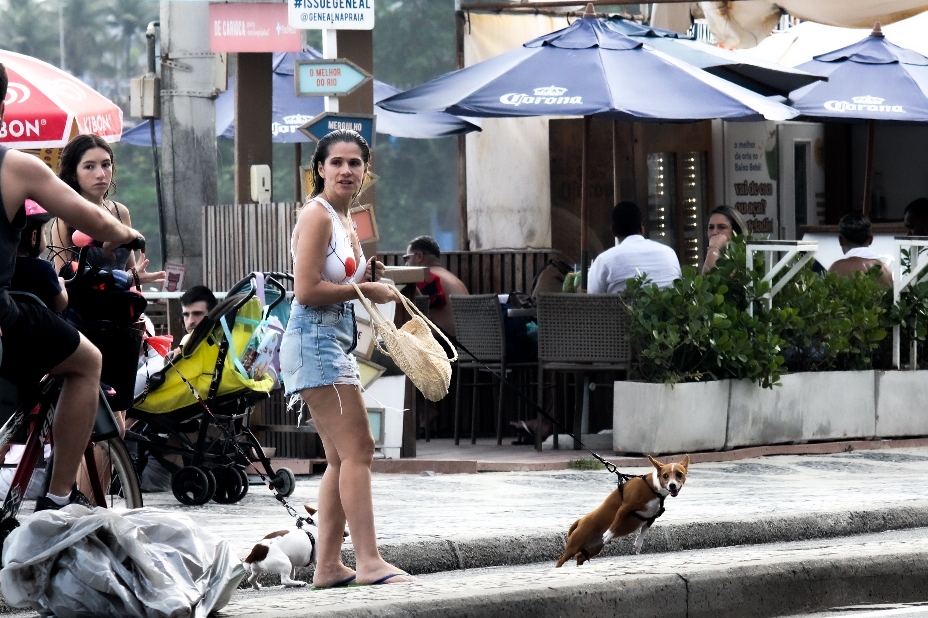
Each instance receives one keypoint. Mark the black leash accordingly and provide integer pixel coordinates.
(622, 477)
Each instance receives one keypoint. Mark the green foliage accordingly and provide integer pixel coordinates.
(700, 329)
(413, 42)
(585, 464)
(831, 322)
(418, 188)
(911, 311)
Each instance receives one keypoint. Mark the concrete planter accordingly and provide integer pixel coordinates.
(660, 418)
(838, 405)
(827, 405)
(900, 398)
(759, 416)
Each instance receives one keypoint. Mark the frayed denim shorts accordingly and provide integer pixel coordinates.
(315, 350)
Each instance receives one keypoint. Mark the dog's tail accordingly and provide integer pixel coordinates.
(258, 553)
(573, 527)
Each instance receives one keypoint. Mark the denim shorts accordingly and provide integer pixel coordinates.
(315, 349)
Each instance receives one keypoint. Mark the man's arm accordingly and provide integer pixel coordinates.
(24, 176)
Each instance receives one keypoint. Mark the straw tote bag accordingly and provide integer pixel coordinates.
(414, 348)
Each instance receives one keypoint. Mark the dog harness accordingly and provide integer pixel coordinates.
(660, 510)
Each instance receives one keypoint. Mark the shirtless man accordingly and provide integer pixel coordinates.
(35, 340)
(855, 236)
(424, 251)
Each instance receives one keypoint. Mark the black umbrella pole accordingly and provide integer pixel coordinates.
(584, 199)
(868, 169)
(154, 159)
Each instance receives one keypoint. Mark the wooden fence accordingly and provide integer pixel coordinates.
(242, 238)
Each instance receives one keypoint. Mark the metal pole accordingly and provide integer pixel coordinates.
(584, 199)
(162, 244)
(297, 162)
(156, 160)
(460, 20)
(868, 171)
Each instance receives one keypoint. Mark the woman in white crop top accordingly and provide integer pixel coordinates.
(315, 359)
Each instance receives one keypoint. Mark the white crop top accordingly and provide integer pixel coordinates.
(340, 264)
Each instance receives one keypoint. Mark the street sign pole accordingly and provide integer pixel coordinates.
(330, 52)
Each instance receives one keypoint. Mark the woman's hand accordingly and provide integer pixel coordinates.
(378, 293)
(714, 251)
(718, 241)
(145, 276)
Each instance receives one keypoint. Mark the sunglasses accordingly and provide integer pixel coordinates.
(407, 256)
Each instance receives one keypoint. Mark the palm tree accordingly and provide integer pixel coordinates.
(24, 29)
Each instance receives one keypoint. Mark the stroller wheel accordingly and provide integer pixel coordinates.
(284, 481)
(231, 484)
(193, 486)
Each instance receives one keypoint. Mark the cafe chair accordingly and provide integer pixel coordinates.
(478, 319)
(580, 333)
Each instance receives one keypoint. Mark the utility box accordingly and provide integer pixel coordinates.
(145, 97)
(261, 184)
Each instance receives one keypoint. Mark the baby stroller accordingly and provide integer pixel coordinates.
(207, 452)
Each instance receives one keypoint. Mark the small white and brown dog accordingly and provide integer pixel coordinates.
(282, 551)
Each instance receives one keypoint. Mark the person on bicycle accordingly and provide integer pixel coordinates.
(35, 341)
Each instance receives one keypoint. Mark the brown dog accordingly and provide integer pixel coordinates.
(633, 506)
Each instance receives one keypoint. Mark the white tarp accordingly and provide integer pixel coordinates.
(744, 24)
(508, 164)
(804, 41)
(139, 563)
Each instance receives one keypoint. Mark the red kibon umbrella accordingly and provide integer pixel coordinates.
(46, 106)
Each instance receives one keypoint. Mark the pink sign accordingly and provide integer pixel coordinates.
(252, 28)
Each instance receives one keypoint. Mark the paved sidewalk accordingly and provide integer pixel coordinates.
(441, 523)
(486, 508)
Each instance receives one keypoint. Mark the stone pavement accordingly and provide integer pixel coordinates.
(441, 523)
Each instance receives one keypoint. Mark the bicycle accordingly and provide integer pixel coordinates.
(28, 415)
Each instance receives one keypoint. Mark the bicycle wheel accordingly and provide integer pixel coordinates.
(120, 482)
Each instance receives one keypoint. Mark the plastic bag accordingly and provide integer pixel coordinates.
(97, 562)
(262, 354)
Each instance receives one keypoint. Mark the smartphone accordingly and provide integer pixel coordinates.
(371, 269)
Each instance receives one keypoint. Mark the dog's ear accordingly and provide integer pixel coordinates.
(655, 463)
(309, 509)
(686, 461)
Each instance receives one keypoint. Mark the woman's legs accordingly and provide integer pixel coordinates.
(345, 493)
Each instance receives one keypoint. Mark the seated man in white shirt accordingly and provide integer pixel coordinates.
(633, 256)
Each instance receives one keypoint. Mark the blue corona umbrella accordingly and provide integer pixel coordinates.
(873, 81)
(587, 69)
(289, 111)
(762, 77)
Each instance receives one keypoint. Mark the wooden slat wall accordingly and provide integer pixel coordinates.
(241, 238)
(498, 271)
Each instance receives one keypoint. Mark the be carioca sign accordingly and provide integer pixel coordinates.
(331, 14)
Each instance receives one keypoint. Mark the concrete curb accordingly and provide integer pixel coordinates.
(742, 591)
(420, 557)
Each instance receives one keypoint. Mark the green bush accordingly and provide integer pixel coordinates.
(831, 322)
(700, 328)
(911, 313)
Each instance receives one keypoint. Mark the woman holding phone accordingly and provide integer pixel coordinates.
(315, 358)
